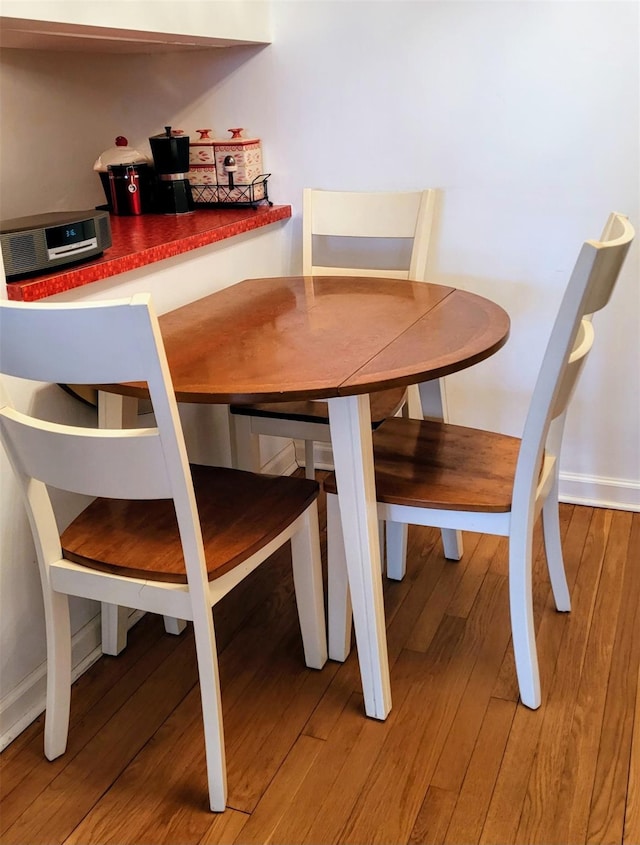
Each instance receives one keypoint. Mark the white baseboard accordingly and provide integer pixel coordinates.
(323, 456)
(284, 463)
(28, 700)
(616, 493)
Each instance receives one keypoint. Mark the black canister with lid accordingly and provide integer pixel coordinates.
(170, 152)
(171, 158)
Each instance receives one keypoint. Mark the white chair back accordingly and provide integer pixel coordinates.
(104, 343)
(589, 289)
(384, 214)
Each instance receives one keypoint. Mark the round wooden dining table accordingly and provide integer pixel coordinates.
(336, 338)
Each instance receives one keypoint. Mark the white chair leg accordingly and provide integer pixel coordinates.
(245, 445)
(433, 400)
(115, 412)
(307, 579)
(115, 624)
(382, 540)
(174, 626)
(522, 623)
(412, 408)
(452, 543)
(396, 539)
(397, 533)
(56, 727)
(553, 549)
(338, 596)
(309, 460)
(211, 706)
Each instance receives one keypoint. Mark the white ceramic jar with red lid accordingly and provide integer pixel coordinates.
(202, 166)
(247, 154)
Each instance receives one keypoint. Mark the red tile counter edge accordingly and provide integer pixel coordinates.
(138, 241)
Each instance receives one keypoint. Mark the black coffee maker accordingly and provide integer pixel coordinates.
(171, 158)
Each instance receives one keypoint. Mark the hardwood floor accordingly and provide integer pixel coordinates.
(457, 761)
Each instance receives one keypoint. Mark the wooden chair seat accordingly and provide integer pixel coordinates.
(384, 403)
(423, 463)
(240, 512)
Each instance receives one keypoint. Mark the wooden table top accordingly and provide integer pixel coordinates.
(315, 337)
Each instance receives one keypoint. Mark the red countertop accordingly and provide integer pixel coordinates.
(138, 241)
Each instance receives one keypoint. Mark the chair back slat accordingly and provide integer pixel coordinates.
(365, 215)
(589, 289)
(569, 378)
(323, 270)
(613, 228)
(605, 272)
(118, 465)
(77, 345)
(383, 215)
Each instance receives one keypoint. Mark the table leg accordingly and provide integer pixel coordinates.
(350, 421)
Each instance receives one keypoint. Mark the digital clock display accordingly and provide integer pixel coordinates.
(71, 233)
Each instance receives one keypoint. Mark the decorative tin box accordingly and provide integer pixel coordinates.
(227, 172)
(247, 155)
(201, 151)
(202, 166)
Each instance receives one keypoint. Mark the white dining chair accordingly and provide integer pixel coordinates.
(445, 476)
(341, 216)
(330, 220)
(162, 537)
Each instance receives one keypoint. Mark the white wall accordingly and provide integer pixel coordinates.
(524, 115)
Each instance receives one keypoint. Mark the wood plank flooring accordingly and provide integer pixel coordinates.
(459, 760)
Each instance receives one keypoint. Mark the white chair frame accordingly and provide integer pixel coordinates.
(62, 343)
(535, 486)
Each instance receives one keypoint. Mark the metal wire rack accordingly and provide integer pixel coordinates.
(234, 194)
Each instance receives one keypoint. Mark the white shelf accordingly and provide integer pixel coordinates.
(161, 26)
